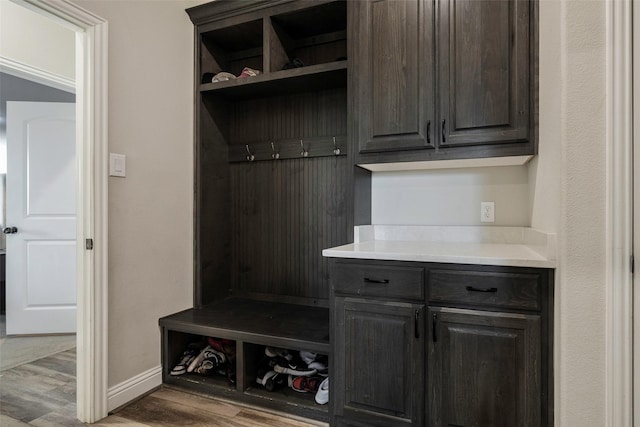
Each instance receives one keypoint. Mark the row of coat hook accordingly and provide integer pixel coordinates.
(275, 155)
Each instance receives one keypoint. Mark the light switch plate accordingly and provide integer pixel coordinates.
(117, 165)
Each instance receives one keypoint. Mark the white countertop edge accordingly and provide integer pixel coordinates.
(487, 245)
(351, 251)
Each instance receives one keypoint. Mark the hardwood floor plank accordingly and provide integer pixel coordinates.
(116, 420)
(199, 402)
(6, 421)
(160, 413)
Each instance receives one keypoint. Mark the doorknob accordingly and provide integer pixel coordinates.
(10, 230)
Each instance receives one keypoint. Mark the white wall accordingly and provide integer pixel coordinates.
(29, 38)
(580, 292)
(151, 210)
(450, 196)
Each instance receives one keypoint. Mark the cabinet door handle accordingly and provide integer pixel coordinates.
(434, 326)
(444, 136)
(376, 281)
(429, 132)
(473, 289)
(416, 326)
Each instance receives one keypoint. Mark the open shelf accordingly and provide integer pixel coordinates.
(304, 79)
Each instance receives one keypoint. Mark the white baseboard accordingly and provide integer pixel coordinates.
(128, 390)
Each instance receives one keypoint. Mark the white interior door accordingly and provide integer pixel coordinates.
(41, 206)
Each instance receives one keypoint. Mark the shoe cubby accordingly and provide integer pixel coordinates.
(231, 48)
(307, 37)
(304, 49)
(257, 363)
(221, 376)
(252, 326)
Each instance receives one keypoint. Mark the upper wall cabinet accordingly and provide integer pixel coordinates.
(441, 79)
(393, 51)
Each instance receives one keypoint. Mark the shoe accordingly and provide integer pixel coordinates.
(296, 63)
(228, 347)
(222, 77)
(305, 384)
(319, 366)
(263, 376)
(212, 361)
(293, 367)
(322, 396)
(248, 72)
(307, 356)
(278, 352)
(187, 357)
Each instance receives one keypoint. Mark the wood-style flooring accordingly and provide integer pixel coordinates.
(42, 393)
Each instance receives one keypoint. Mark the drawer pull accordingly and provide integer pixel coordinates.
(472, 289)
(376, 281)
(416, 326)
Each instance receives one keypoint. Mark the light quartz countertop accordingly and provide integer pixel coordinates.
(507, 246)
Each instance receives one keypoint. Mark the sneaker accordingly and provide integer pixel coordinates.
(278, 352)
(228, 347)
(222, 77)
(248, 72)
(263, 376)
(307, 356)
(187, 357)
(293, 368)
(296, 63)
(305, 384)
(321, 367)
(322, 396)
(212, 361)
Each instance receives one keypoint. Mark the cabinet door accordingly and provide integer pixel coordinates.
(392, 72)
(378, 376)
(484, 369)
(483, 60)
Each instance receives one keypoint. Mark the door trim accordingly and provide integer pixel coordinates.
(619, 206)
(37, 75)
(92, 149)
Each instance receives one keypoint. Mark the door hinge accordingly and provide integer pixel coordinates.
(632, 264)
(88, 244)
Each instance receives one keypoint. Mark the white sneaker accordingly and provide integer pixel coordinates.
(322, 396)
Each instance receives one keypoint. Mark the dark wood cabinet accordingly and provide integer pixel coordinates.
(483, 71)
(378, 364)
(393, 59)
(441, 79)
(484, 368)
(472, 349)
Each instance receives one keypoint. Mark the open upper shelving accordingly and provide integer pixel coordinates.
(303, 79)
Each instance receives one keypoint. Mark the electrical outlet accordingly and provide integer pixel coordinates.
(487, 211)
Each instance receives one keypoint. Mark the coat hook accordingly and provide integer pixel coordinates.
(275, 155)
(304, 153)
(336, 150)
(250, 156)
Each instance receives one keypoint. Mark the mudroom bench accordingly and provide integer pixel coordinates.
(251, 325)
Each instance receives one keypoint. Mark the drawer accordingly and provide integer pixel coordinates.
(510, 290)
(379, 280)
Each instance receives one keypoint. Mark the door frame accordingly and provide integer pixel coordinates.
(636, 208)
(619, 222)
(92, 193)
